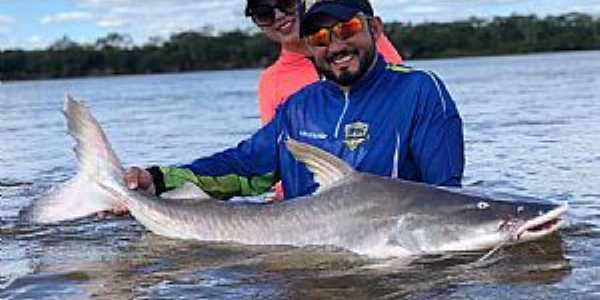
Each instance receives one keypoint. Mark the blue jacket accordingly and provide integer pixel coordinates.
(394, 122)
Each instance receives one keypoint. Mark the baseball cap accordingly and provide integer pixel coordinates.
(341, 10)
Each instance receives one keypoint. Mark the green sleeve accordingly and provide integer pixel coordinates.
(220, 187)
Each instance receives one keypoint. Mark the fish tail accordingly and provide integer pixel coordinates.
(99, 166)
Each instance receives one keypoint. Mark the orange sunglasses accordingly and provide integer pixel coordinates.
(342, 30)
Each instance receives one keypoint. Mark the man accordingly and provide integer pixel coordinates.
(381, 119)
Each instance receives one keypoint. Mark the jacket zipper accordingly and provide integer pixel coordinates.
(339, 124)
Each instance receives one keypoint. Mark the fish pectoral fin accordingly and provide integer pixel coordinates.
(328, 170)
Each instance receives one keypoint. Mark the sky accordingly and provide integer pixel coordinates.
(36, 24)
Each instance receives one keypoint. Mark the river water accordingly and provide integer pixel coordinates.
(532, 128)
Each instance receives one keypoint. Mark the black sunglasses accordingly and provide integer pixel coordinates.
(264, 14)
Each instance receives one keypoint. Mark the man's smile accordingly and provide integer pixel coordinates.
(342, 59)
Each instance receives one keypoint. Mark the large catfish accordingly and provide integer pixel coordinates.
(367, 214)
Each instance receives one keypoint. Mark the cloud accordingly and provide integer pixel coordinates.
(112, 22)
(417, 9)
(36, 42)
(154, 13)
(6, 20)
(5, 40)
(165, 17)
(32, 42)
(66, 17)
(149, 18)
(446, 10)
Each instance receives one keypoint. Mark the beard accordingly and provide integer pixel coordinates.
(347, 77)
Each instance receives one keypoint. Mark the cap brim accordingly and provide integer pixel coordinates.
(336, 11)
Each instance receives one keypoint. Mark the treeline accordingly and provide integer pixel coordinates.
(114, 54)
(202, 50)
(500, 35)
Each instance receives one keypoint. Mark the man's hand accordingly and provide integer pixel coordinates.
(136, 179)
(139, 179)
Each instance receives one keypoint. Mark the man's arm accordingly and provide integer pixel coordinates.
(245, 170)
(438, 144)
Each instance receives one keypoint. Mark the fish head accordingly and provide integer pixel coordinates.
(460, 222)
(514, 220)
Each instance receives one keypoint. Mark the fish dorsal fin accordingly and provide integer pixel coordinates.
(328, 170)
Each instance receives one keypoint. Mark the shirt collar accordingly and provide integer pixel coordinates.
(290, 57)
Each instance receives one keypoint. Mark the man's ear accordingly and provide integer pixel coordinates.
(376, 27)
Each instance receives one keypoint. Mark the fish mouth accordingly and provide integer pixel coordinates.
(541, 226)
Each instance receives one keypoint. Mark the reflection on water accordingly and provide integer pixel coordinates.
(531, 126)
(132, 264)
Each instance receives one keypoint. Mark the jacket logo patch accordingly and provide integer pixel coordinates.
(355, 134)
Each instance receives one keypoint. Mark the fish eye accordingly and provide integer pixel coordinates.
(483, 205)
